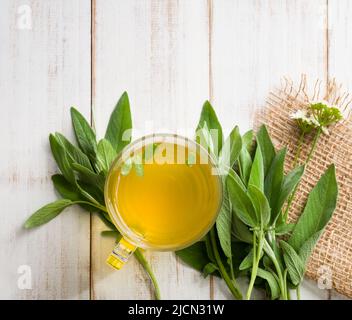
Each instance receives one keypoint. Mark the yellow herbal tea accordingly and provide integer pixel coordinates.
(163, 196)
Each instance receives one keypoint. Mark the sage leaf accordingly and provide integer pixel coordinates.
(256, 177)
(138, 164)
(74, 192)
(267, 148)
(308, 246)
(260, 204)
(284, 228)
(293, 262)
(224, 223)
(84, 134)
(105, 156)
(47, 213)
(62, 160)
(240, 231)
(118, 132)
(274, 178)
(232, 173)
(209, 268)
(64, 188)
(126, 167)
(289, 183)
(247, 262)
(231, 149)
(245, 159)
(241, 203)
(205, 139)
(75, 154)
(247, 141)
(195, 256)
(208, 117)
(320, 206)
(89, 176)
(93, 190)
(245, 165)
(209, 248)
(272, 282)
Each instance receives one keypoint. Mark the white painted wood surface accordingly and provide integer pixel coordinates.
(44, 70)
(170, 56)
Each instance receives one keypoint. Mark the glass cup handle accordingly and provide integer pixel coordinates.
(121, 253)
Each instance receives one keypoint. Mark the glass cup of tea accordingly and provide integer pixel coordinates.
(163, 192)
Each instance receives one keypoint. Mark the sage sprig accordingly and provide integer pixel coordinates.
(84, 169)
(257, 198)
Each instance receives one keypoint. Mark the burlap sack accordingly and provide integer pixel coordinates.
(331, 261)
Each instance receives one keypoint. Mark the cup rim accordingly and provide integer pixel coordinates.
(118, 222)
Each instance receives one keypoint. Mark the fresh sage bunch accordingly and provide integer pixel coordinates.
(252, 237)
(83, 170)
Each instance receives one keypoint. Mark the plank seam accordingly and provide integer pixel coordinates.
(92, 100)
(210, 75)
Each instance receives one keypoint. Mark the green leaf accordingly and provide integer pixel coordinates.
(320, 206)
(261, 205)
(195, 256)
(93, 190)
(240, 231)
(208, 117)
(75, 154)
(205, 139)
(284, 228)
(210, 268)
(118, 132)
(289, 183)
(89, 176)
(224, 223)
(273, 180)
(232, 173)
(272, 282)
(62, 160)
(266, 146)
(245, 165)
(138, 165)
(293, 262)
(231, 149)
(126, 167)
(64, 188)
(84, 134)
(245, 159)
(241, 203)
(105, 155)
(47, 213)
(247, 262)
(308, 246)
(73, 192)
(247, 140)
(256, 177)
(239, 252)
(209, 248)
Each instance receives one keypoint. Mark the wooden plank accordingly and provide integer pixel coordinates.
(340, 51)
(254, 44)
(45, 68)
(158, 52)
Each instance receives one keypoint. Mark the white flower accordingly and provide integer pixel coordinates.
(299, 114)
(305, 121)
(325, 130)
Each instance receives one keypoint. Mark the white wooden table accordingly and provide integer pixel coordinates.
(170, 56)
